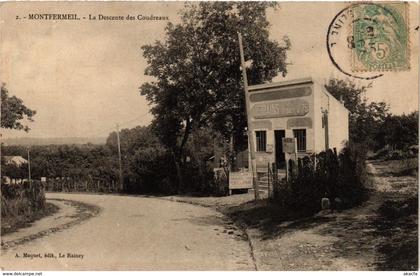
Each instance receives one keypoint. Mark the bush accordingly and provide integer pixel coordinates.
(388, 154)
(396, 155)
(203, 180)
(305, 188)
(399, 209)
(220, 182)
(382, 153)
(352, 176)
(340, 178)
(151, 171)
(22, 199)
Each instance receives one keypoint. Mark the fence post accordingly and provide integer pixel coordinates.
(268, 180)
(275, 176)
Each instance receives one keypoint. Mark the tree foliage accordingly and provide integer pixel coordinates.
(399, 131)
(14, 171)
(132, 139)
(74, 161)
(366, 118)
(145, 160)
(196, 69)
(13, 111)
(147, 165)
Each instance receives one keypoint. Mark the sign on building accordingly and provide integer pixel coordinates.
(297, 107)
(289, 145)
(290, 152)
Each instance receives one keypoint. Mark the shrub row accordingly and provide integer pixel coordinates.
(339, 177)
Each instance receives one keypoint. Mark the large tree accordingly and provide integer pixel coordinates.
(196, 70)
(13, 111)
(366, 118)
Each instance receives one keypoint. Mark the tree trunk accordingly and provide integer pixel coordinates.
(231, 156)
(197, 159)
(179, 154)
(178, 174)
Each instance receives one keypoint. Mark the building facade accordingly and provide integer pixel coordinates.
(300, 108)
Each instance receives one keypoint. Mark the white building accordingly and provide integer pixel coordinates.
(16, 160)
(299, 108)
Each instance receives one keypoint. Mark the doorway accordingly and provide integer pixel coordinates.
(280, 159)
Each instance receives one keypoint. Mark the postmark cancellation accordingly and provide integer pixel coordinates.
(380, 34)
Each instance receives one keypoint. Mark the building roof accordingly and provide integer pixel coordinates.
(16, 159)
(266, 86)
(281, 84)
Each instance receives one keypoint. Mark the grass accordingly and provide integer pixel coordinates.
(14, 223)
(405, 167)
(397, 217)
(397, 224)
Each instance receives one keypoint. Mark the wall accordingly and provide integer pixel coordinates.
(338, 120)
(282, 106)
(321, 103)
(339, 125)
(297, 104)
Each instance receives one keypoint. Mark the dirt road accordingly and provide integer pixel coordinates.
(380, 234)
(136, 233)
(361, 238)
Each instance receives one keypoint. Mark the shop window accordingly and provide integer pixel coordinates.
(300, 135)
(261, 140)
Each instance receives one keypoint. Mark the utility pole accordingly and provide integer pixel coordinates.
(119, 158)
(248, 118)
(29, 167)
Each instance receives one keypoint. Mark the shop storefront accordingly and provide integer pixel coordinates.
(300, 109)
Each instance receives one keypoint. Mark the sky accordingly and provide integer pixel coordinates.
(82, 77)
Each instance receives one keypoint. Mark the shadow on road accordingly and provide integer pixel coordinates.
(383, 230)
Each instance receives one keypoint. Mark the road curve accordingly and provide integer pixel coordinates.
(137, 233)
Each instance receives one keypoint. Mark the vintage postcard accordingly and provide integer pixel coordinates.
(196, 136)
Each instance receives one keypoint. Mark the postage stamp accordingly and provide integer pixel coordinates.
(380, 36)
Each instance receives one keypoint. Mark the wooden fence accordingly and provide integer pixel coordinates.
(87, 185)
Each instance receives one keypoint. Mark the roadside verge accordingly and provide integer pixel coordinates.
(69, 214)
